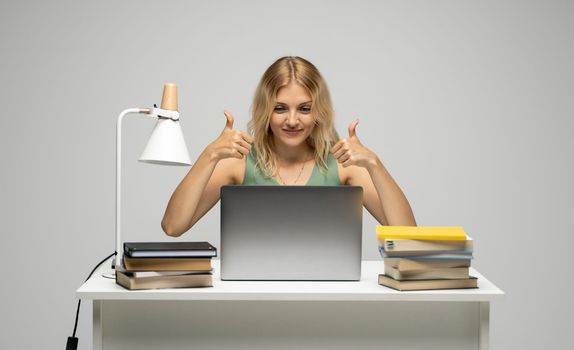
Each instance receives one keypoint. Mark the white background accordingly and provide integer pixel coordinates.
(467, 103)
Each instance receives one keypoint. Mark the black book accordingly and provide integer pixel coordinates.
(169, 250)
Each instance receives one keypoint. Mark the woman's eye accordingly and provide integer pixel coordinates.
(305, 109)
(279, 109)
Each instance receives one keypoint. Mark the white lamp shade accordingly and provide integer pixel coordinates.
(166, 145)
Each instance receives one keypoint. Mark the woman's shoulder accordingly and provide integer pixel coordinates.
(343, 174)
(234, 168)
(350, 174)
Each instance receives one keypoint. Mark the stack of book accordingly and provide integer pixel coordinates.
(422, 258)
(148, 265)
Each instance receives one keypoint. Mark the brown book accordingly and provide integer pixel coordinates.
(451, 273)
(167, 264)
(192, 280)
(403, 264)
(471, 282)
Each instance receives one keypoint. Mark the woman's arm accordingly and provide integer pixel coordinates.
(382, 196)
(199, 190)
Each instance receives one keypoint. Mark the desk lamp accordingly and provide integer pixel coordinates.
(166, 146)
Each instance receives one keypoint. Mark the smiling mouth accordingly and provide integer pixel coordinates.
(292, 132)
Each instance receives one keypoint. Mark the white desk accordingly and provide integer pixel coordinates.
(290, 315)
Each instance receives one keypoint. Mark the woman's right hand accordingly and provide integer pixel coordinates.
(231, 143)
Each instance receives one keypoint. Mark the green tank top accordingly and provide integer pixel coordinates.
(253, 175)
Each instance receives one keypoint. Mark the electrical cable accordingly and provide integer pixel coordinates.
(72, 343)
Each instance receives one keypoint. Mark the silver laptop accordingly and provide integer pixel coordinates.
(291, 232)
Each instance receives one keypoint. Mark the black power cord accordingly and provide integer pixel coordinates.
(72, 343)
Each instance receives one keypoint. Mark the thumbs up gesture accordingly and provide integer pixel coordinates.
(350, 151)
(230, 143)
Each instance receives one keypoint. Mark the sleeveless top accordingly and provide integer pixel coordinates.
(253, 175)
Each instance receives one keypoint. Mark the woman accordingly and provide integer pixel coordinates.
(294, 142)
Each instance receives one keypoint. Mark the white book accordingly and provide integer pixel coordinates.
(140, 274)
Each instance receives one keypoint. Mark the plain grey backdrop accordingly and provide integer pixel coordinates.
(469, 104)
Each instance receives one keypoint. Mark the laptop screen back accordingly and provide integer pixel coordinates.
(291, 232)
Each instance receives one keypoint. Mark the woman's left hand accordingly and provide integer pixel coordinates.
(350, 151)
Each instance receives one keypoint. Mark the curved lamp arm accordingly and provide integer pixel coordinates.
(119, 250)
(166, 146)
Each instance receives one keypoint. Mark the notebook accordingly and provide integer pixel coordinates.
(291, 232)
(169, 250)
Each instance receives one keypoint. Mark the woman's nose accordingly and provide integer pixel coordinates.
(292, 119)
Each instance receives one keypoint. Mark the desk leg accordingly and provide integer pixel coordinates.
(97, 325)
(484, 324)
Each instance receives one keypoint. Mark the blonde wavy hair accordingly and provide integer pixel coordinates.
(282, 72)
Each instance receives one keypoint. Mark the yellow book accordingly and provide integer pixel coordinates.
(435, 233)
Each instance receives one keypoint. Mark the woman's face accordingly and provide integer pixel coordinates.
(291, 121)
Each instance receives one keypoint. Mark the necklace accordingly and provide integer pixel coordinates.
(298, 176)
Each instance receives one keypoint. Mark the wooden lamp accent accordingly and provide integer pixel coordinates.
(169, 99)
